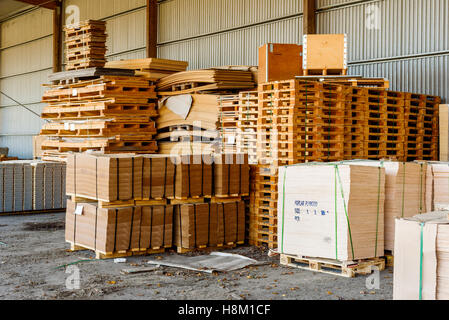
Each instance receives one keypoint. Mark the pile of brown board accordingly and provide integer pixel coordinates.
(209, 225)
(119, 232)
(85, 45)
(104, 185)
(208, 80)
(132, 179)
(437, 186)
(112, 114)
(152, 69)
(422, 257)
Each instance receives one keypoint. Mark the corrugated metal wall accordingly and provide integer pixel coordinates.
(410, 48)
(25, 63)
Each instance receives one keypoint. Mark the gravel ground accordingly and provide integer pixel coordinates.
(33, 259)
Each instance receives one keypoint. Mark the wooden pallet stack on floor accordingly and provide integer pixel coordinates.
(247, 124)
(112, 114)
(85, 45)
(430, 128)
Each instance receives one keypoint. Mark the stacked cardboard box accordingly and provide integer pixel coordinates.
(27, 186)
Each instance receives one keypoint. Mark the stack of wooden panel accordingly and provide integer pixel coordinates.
(31, 186)
(103, 184)
(151, 68)
(206, 81)
(247, 125)
(109, 114)
(85, 45)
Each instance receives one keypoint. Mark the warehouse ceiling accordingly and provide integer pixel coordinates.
(8, 7)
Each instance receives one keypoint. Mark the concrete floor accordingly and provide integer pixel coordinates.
(33, 259)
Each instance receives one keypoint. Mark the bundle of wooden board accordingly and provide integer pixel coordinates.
(437, 186)
(85, 45)
(110, 114)
(421, 260)
(208, 80)
(405, 190)
(151, 68)
(209, 225)
(119, 232)
(135, 180)
(331, 211)
(31, 186)
(247, 125)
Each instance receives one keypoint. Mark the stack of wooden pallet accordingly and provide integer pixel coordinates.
(85, 45)
(109, 114)
(184, 187)
(302, 121)
(151, 68)
(247, 125)
(229, 120)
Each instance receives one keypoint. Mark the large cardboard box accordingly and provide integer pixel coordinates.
(279, 62)
(332, 211)
(421, 261)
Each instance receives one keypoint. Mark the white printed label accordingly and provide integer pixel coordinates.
(79, 210)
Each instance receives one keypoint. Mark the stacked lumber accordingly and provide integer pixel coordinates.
(421, 261)
(247, 124)
(209, 225)
(208, 80)
(110, 114)
(31, 186)
(85, 44)
(331, 211)
(152, 69)
(111, 182)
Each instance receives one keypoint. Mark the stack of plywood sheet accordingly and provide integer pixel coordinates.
(109, 114)
(205, 81)
(422, 258)
(27, 186)
(151, 68)
(437, 186)
(405, 190)
(85, 45)
(331, 211)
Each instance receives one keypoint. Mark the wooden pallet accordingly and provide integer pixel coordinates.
(226, 246)
(114, 255)
(347, 269)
